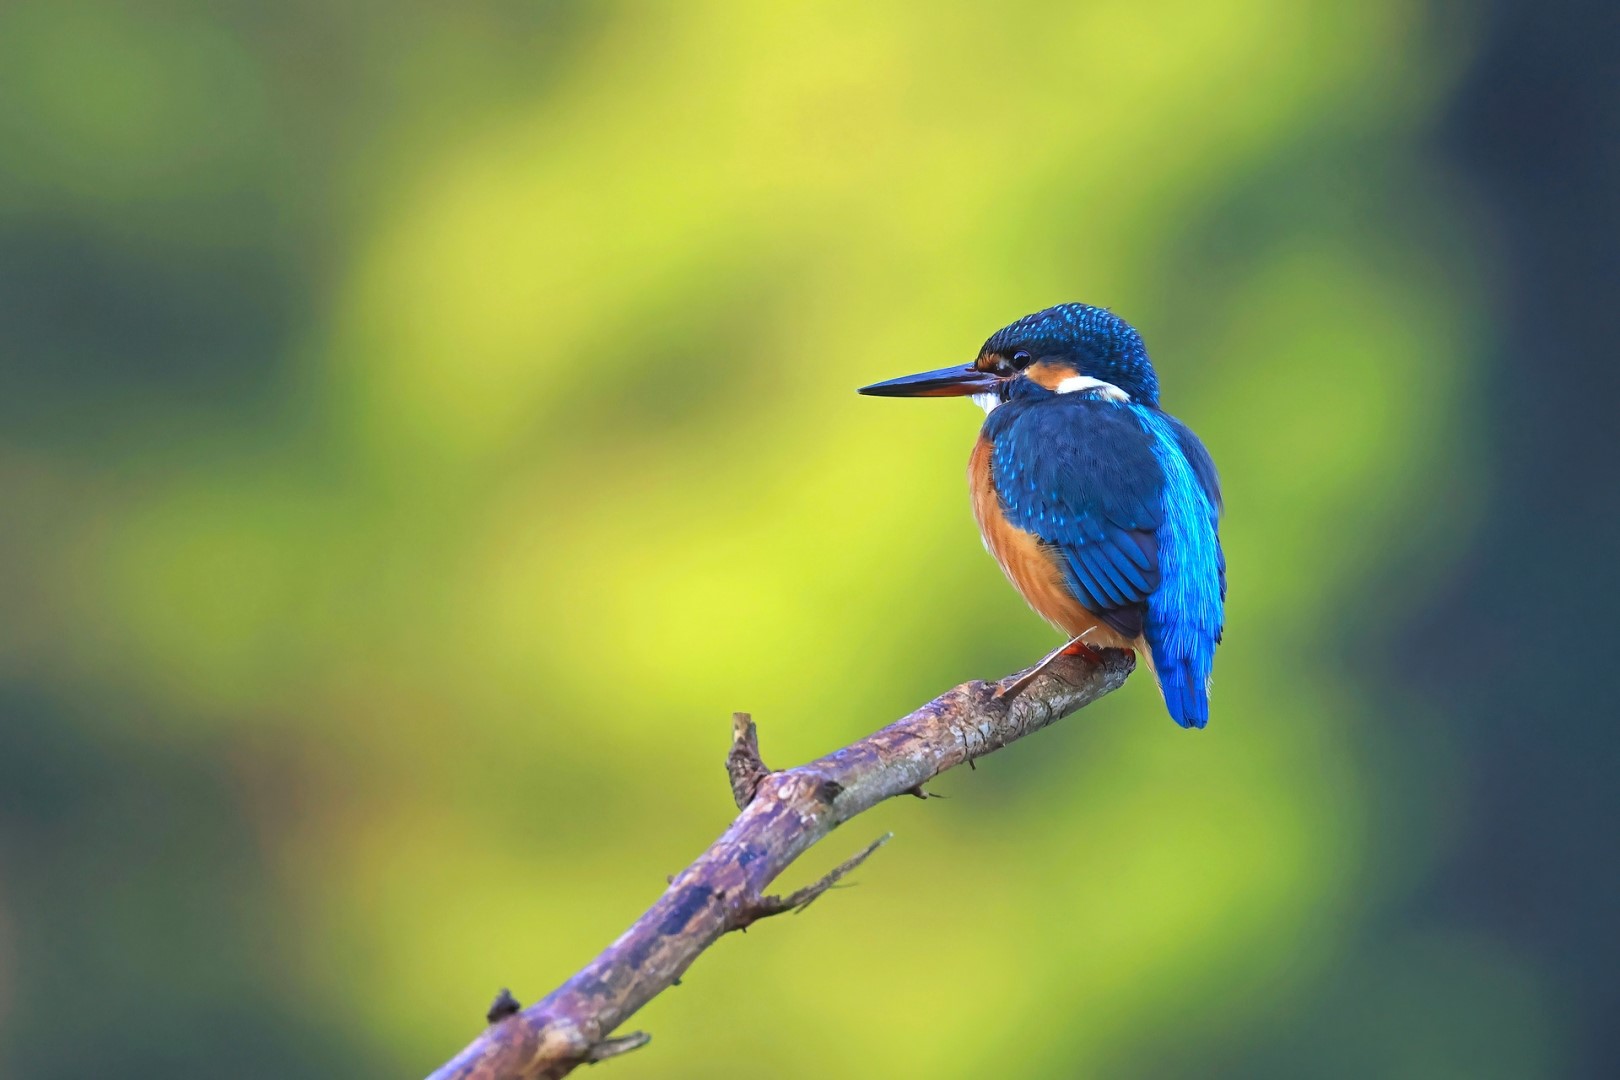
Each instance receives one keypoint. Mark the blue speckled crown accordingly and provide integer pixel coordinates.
(1098, 343)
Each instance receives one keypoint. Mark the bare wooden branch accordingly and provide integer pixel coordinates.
(782, 815)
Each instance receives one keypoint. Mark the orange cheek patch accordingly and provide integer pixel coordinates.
(1049, 375)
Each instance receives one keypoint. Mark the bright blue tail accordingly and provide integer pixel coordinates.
(1186, 691)
(1188, 609)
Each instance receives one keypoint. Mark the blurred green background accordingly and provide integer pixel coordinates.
(421, 425)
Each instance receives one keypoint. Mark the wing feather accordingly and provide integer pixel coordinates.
(1081, 475)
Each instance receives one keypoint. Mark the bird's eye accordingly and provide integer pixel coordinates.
(1021, 359)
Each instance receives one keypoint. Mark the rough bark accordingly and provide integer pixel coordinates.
(782, 815)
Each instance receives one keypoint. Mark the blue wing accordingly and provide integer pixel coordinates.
(1125, 496)
(1081, 475)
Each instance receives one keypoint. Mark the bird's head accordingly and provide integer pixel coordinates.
(1065, 349)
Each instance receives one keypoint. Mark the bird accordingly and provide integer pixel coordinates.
(1102, 509)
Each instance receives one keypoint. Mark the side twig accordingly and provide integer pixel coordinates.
(782, 815)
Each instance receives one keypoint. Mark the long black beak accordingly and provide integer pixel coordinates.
(946, 382)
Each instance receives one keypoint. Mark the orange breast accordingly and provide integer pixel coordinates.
(1030, 566)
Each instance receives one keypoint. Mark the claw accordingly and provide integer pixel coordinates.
(1078, 647)
(1073, 647)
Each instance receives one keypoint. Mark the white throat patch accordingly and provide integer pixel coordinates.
(987, 402)
(1107, 390)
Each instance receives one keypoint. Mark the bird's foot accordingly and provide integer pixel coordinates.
(1078, 647)
(1074, 647)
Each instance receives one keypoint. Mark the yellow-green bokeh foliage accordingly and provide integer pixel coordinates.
(562, 464)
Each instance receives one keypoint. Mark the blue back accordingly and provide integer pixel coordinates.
(1129, 498)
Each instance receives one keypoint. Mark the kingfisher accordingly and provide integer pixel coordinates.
(1102, 509)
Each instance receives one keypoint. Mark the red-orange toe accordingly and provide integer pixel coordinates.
(1081, 649)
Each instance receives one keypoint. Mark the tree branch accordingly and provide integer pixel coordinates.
(782, 815)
